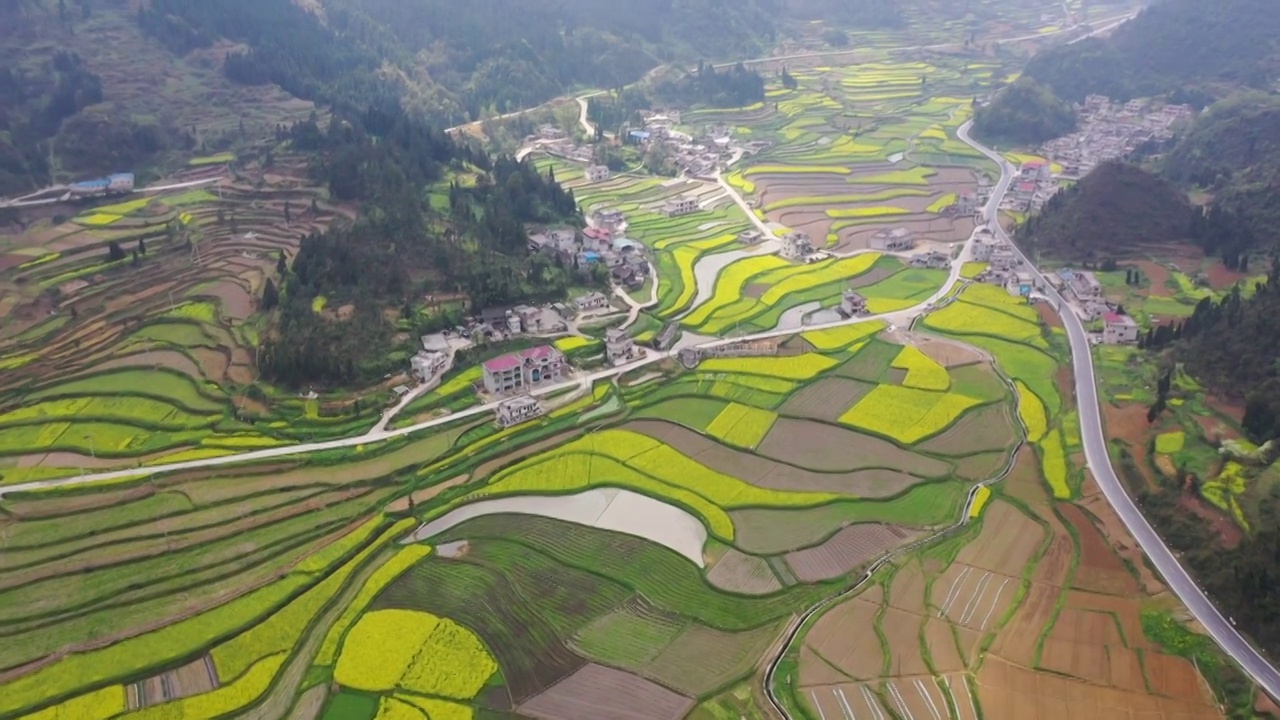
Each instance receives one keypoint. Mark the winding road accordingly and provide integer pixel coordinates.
(1099, 461)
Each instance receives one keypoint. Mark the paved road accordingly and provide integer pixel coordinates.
(1095, 448)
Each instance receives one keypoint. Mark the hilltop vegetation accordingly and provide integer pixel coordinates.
(1172, 45)
(403, 247)
(1025, 114)
(1115, 211)
(1233, 151)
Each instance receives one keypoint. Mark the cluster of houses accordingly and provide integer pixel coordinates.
(1086, 289)
(1004, 266)
(1111, 131)
(554, 140)
(699, 156)
(1032, 188)
(596, 244)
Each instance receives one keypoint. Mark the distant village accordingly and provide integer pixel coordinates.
(1112, 131)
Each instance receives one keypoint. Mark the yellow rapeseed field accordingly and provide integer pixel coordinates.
(97, 705)
(1054, 462)
(379, 649)
(382, 577)
(453, 663)
(571, 343)
(390, 708)
(742, 425)
(794, 367)
(839, 338)
(440, 709)
(1031, 411)
(980, 498)
(923, 372)
(906, 414)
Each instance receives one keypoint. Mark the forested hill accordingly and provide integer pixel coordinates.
(1234, 346)
(1173, 45)
(454, 61)
(1115, 211)
(404, 247)
(1233, 151)
(1024, 114)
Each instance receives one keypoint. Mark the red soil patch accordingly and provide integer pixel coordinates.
(1047, 315)
(1156, 273)
(1117, 534)
(1129, 423)
(1232, 408)
(1229, 534)
(1215, 430)
(1221, 277)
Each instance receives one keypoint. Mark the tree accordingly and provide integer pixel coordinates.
(282, 265)
(114, 252)
(142, 246)
(288, 216)
(788, 81)
(270, 296)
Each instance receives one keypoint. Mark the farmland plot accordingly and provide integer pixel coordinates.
(848, 549)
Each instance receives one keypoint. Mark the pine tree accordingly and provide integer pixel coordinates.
(270, 296)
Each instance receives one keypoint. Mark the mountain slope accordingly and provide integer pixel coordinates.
(1115, 211)
(1233, 150)
(1169, 46)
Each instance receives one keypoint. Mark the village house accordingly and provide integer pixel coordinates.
(597, 239)
(1003, 257)
(796, 245)
(852, 303)
(517, 410)
(750, 237)
(523, 370)
(1019, 284)
(427, 364)
(591, 301)
(608, 218)
(1119, 329)
(982, 248)
(619, 348)
(932, 259)
(895, 240)
(680, 206)
(1084, 285)
(597, 173)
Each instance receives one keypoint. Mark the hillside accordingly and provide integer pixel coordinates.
(1115, 211)
(1024, 114)
(87, 92)
(1233, 151)
(1170, 46)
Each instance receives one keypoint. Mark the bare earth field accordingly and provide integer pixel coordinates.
(596, 691)
(848, 549)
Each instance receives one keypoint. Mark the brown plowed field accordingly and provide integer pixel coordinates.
(949, 353)
(1099, 569)
(943, 654)
(767, 473)
(1015, 693)
(902, 632)
(1017, 640)
(595, 691)
(844, 701)
(845, 636)
(988, 428)
(907, 591)
(1008, 541)
(702, 659)
(916, 698)
(851, 547)
(741, 573)
(832, 449)
(826, 399)
(983, 466)
(814, 670)
(973, 597)
(171, 359)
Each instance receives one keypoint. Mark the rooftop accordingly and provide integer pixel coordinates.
(510, 361)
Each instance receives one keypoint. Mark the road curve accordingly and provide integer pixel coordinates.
(1095, 449)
